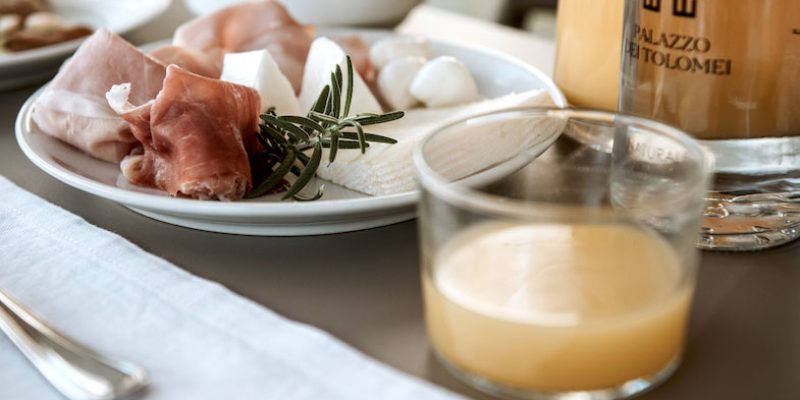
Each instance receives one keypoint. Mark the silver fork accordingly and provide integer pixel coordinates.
(78, 372)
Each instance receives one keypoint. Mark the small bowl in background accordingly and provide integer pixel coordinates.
(328, 12)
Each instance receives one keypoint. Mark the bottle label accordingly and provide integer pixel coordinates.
(719, 69)
(675, 51)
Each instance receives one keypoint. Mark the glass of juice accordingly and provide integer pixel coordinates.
(561, 274)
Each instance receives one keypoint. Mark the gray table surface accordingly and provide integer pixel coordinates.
(363, 287)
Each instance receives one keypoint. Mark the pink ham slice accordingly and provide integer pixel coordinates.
(196, 135)
(249, 26)
(73, 108)
(208, 64)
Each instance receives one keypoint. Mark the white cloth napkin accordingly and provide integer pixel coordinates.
(197, 339)
(432, 21)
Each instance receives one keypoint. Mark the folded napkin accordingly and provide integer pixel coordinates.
(197, 339)
(436, 22)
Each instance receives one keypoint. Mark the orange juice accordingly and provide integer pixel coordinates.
(554, 307)
(589, 44)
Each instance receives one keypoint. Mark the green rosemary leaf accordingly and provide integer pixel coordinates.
(336, 95)
(306, 122)
(322, 117)
(276, 149)
(334, 146)
(263, 140)
(275, 157)
(276, 176)
(303, 157)
(373, 119)
(299, 134)
(339, 81)
(276, 135)
(307, 174)
(319, 105)
(328, 103)
(349, 95)
(362, 138)
(343, 144)
(371, 137)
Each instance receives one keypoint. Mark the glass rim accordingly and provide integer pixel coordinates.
(464, 196)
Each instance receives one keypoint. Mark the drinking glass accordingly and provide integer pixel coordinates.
(562, 275)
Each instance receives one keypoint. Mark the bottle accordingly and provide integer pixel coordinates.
(588, 38)
(727, 72)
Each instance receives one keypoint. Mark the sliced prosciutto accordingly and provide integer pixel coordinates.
(195, 135)
(208, 64)
(73, 108)
(251, 26)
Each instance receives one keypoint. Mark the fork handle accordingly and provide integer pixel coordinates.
(76, 371)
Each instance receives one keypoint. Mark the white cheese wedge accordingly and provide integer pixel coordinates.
(323, 56)
(386, 169)
(258, 70)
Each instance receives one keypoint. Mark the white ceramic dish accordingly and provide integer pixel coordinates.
(340, 210)
(120, 16)
(328, 12)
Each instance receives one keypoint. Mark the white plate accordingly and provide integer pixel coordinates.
(120, 16)
(340, 210)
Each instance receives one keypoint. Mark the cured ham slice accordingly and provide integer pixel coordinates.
(250, 26)
(208, 64)
(73, 107)
(196, 135)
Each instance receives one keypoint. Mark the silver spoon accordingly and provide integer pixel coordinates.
(78, 372)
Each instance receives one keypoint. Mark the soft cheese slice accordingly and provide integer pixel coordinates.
(386, 169)
(323, 57)
(258, 70)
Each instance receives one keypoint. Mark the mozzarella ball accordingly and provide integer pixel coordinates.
(444, 81)
(43, 21)
(386, 50)
(395, 79)
(9, 23)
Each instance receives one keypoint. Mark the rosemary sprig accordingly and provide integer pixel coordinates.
(286, 138)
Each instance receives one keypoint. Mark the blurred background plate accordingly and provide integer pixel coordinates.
(37, 65)
(328, 12)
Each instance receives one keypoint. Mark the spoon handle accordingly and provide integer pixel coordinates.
(78, 372)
